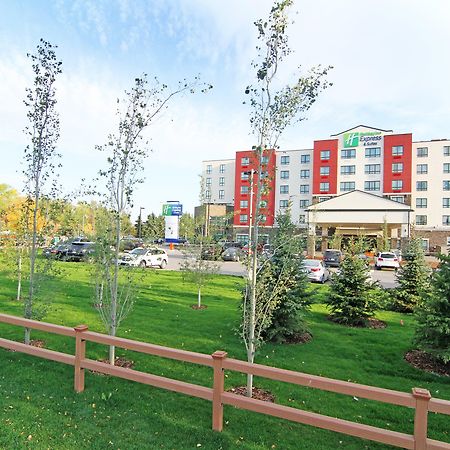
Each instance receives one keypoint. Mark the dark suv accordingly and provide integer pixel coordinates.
(78, 251)
(332, 258)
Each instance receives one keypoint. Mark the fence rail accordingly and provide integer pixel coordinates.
(420, 399)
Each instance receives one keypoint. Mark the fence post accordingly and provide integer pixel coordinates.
(422, 397)
(80, 353)
(217, 411)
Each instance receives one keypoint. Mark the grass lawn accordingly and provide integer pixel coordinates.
(40, 410)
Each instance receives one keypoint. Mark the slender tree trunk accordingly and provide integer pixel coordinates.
(19, 274)
(199, 303)
(114, 292)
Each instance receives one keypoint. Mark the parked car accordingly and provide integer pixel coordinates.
(332, 258)
(130, 243)
(227, 244)
(78, 251)
(233, 254)
(212, 252)
(145, 257)
(386, 259)
(315, 270)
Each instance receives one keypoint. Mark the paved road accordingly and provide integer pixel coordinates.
(386, 277)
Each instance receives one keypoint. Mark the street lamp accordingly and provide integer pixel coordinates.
(140, 222)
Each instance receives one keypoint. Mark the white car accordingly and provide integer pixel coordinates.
(387, 259)
(315, 270)
(145, 257)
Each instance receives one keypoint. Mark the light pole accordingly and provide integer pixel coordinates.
(140, 222)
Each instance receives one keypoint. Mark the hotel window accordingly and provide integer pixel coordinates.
(284, 160)
(421, 202)
(222, 168)
(421, 220)
(421, 185)
(284, 189)
(397, 185)
(373, 152)
(397, 150)
(304, 204)
(325, 170)
(304, 189)
(446, 167)
(324, 187)
(446, 150)
(422, 152)
(262, 218)
(325, 155)
(245, 176)
(371, 185)
(348, 153)
(372, 168)
(422, 168)
(244, 189)
(397, 168)
(284, 203)
(398, 198)
(446, 185)
(348, 170)
(243, 218)
(208, 195)
(302, 218)
(284, 174)
(264, 174)
(263, 204)
(208, 182)
(243, 204)
(265, 160)
(445, 220)
(347, 186)
(446, 202)
(208, 169)
(221, 194)
(304, 173)
(245, 161)
(305, 159)
(222, 181)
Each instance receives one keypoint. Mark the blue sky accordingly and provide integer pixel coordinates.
(391, 62)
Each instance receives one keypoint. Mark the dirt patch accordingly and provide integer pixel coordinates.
(198, 307)
(39, 343)
(371, 323)
(119, 362)
(299, 338)
(257, 393)
(426, 362)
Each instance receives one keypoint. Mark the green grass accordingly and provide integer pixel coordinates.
(37, 397)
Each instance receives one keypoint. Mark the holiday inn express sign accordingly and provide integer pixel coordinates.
(369, 138)
(172, 209)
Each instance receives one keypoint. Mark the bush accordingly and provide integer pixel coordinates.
(352, 298)
(433, 315)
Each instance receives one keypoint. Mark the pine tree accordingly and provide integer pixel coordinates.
(433, 315)
(292, 296)
(413, 279)
(352, 300)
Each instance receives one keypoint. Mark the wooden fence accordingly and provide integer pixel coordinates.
(419, 399)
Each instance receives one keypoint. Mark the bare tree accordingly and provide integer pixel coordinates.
(272, 111)
(40, 153)
(126, 152)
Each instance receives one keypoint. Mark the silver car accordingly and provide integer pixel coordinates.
(315, 270)
(145, 257)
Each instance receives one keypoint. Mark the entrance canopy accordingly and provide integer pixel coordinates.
(358, 211)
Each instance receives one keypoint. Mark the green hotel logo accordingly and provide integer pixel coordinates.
(357, 138)
(351, 139)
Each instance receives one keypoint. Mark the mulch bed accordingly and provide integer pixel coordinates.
(426, 362)
(371, 323)
(198, 307)
(119, 362)
(299, 338)
(257, 393)
(37, 343)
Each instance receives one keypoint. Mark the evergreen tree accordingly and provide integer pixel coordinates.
(352, 300)
(413, 279)
(433, 315)
(292, 297)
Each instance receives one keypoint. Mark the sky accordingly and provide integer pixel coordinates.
(391, 64)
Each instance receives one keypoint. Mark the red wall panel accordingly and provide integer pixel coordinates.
(332, 146)
(391, 141)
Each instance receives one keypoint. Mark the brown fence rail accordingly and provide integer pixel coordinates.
(420, 399)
